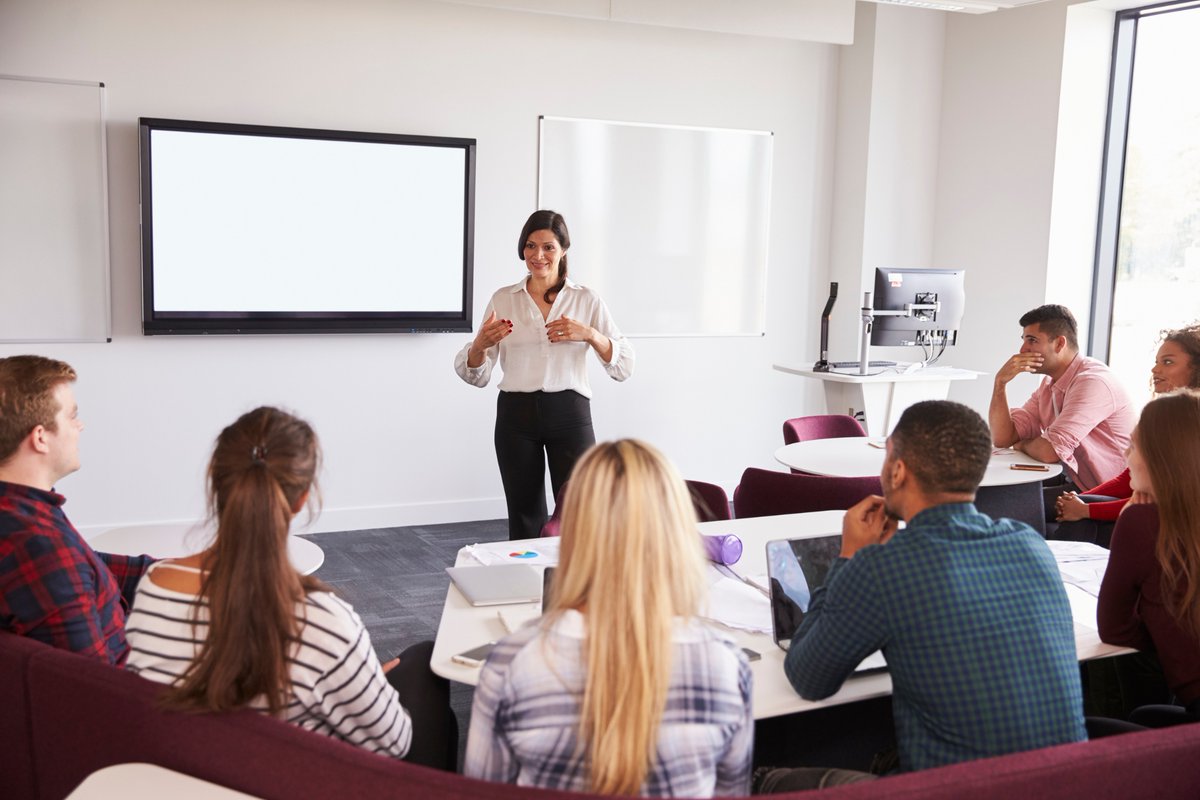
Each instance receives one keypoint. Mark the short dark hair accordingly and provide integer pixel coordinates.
(1055, 320)
(945, 445)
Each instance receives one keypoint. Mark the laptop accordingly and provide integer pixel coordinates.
(795, 568)
(498, 585)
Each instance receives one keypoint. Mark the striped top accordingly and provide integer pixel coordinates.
(525, 719)
(339, 688)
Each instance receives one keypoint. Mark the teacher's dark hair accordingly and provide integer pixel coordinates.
(546, 220)
(263, 467)
(945, 445)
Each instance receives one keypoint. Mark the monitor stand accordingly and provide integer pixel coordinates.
(823, 365)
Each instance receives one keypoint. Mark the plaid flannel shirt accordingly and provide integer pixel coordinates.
(53, 586)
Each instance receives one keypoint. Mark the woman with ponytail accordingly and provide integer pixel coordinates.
(1150, 596)
(540, 329)
(619, 689)
(236, 626)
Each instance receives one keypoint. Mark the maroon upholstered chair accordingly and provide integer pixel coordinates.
(764, 492)
(821, 426)
(710, 501)
(551, 526)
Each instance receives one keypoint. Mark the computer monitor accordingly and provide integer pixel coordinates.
(901, 289)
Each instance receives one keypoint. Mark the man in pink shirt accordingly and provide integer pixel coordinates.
(1081, 416)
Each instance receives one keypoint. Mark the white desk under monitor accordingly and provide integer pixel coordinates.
(882, 396)
(464, 626)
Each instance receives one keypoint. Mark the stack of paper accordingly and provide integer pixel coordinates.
(543, 553)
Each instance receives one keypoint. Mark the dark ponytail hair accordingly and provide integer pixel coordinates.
(552, 221)
(261, 469)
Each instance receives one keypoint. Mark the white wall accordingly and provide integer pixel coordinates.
(995, 177)
(889, 109)
(405, 441)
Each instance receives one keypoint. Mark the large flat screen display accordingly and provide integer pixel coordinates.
(257, 229)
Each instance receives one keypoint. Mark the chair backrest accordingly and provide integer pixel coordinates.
(553, 526)
(710, 500)
(764, 492)
(821, 426)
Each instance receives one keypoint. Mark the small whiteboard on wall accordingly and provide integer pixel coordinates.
(53, 212)
(669, 224)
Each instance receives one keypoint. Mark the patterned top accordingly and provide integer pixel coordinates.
(529, 360)
(973, 619)
(338, 686)
(53, 586)
(1085, 415)
(1132, 610)
(525, 720)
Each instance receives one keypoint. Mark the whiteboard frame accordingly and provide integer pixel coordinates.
(105, 259)
(761, 322)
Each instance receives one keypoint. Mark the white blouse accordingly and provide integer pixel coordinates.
(529, 360)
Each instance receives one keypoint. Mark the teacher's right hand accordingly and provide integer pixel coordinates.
(490, 333)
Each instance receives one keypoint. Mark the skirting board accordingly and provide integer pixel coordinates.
(357, 519)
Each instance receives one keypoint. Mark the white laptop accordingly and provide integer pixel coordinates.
(498, 585)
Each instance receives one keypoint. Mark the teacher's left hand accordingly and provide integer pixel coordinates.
(565, 329)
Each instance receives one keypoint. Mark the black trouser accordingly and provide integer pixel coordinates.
(426, 698)
(532, 427)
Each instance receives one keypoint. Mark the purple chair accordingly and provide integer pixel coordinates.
(765, 493)
(552, 525)
(821, 426)
(710, 501)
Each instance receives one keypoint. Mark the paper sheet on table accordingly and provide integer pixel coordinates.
(1083, 607)
(1082, 565)
(738, 605)
(543, 552)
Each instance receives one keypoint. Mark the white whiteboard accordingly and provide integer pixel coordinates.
(669, 224)
(53, 211)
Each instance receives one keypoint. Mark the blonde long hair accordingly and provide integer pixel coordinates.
(1168, 436)
(631, 561)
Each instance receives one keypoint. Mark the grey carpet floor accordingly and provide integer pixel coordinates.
(396, 580)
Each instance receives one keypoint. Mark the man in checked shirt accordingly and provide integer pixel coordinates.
(53, 586)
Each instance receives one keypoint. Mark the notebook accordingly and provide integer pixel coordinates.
(796, 567)
(499, 584)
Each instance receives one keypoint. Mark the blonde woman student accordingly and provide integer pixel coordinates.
(620, 689)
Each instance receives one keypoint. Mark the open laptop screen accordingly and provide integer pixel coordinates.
(795, 569)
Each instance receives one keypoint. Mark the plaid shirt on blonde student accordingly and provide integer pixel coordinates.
(53, 586)
(525, 720)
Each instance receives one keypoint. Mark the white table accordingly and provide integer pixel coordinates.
(464, 626)
(883, 396)
(176, 541)
(856, 456)
(137, 781)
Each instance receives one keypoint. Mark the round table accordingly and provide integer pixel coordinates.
(1003, 492)
(178, 540)
(856, 456)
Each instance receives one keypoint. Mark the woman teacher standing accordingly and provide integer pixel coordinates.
(541, 329)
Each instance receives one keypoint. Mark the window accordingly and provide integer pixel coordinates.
(1148, 244)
